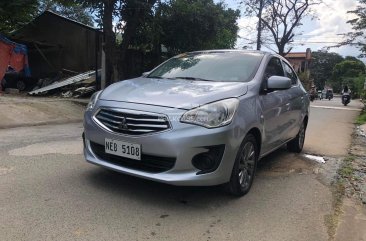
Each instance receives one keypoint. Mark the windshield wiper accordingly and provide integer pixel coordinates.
(158, 77)
(192, 78)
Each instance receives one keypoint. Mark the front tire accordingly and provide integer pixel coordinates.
(297, 143)
(245, 165)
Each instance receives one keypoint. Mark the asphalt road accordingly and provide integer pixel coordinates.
(48, 192)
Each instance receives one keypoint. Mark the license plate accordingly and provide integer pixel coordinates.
(122, 148)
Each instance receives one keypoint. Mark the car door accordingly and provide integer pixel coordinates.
(274, 107)
(296, 103)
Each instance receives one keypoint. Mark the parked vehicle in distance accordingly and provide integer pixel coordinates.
(329, 94)
(324, 94)
(199, 119)
(320, 96)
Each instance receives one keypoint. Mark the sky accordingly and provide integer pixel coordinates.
(315, 33)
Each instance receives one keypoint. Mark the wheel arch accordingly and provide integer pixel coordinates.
(258, 137)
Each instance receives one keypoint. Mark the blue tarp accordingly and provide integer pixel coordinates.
(18, 51)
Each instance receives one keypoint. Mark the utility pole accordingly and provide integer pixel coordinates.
(259, 29)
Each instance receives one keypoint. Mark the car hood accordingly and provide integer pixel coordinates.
(178, 93)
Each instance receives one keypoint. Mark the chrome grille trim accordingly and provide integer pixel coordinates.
(131, 122)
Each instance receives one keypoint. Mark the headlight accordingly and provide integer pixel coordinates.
(212, 115)
(93, 100)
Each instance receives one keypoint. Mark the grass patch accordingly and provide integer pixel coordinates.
(361, 119)
(331, 220)
(346, 170)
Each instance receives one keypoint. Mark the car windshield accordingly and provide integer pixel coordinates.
(212, 66)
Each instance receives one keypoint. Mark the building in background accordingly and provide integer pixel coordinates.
(56, 44)
(300, 61)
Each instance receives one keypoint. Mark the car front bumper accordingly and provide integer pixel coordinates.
(181, 143)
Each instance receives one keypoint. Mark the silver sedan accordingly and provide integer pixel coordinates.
(200, 118)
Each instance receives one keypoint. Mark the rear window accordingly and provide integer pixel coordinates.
(212, 66)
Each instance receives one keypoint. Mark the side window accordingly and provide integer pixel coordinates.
(274, 67)
(290, 73)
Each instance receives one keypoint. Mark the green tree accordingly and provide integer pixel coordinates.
(70, 9)
(358, 84)
(181, 25)
(133, 14)
(188, 25)
(16, 13)
(105, 12)
(358, 36)
(129, 16)
(347, 72)
(321, 67)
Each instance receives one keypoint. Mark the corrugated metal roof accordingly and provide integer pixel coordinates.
(69, 81)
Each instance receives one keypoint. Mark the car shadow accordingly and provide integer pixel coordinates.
(200, 197)
(273, 159)
(141, 189)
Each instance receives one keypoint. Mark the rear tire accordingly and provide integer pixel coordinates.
(245, 165)
(297, 143)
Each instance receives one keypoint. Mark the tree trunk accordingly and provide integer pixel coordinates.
(128, 34)
(109, 42)
(259, 30)
(281, 49)
(133, 20)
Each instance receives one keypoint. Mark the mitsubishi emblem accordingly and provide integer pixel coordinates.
(123, 125)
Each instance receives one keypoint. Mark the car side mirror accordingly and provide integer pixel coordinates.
(278, 83)
(146, 73)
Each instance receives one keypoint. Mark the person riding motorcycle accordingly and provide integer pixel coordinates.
(346, 95)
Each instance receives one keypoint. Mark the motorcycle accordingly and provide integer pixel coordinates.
(346, 98)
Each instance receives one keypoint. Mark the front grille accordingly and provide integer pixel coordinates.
(132, 122)
(148, 163)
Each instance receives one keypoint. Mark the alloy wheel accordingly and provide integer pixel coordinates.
(246, 165)
(301, 136)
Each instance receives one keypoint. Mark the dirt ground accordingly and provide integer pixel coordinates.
(24, 111)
